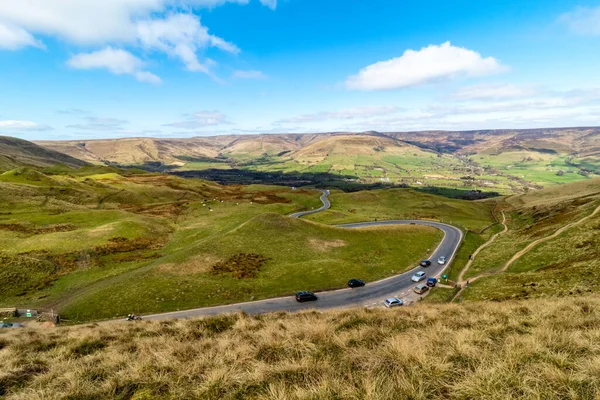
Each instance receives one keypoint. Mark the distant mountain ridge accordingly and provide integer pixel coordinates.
(583, 141)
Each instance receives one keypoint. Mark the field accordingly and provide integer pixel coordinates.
(101, 242)
(539, 349)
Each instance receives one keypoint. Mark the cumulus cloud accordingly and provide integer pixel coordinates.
(344, 114)
(201, 119)
(239, 74)
(430, 64)
(14, 38)
(23, 126)
(181, 35)
(493, 91)
(169, 26)
(117, 61)
(583, 20)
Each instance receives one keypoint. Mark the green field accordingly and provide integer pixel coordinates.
(101, 244)
(405, 204)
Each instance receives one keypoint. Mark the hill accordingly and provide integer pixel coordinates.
(20, 153)
(539, 349)
(550, 246)
(505, 161)
(100, 242)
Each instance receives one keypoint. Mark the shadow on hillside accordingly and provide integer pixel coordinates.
(324, 180)
(455, 193)
(248, 177)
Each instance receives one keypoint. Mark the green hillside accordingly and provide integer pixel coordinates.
(101, 242)
(20, 153)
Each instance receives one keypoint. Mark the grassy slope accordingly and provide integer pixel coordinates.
(565, 265)
(302, 256)
(405, 204)
(541, 349)
(59, 249)
(18, 153)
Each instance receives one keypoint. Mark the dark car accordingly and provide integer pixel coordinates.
(305, 296)
(425, 263)
(10, 325)
(355, 283)
(431, 282)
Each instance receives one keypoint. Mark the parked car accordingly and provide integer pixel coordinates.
(353, 283)
(393, 302)
(10, 325)
(421, 288)
(442, 260)
(419, 276)
(305, 296)
(431, 282)
(425, 263)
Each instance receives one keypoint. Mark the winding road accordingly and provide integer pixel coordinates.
(373, 292)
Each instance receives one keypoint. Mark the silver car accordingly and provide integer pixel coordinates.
(418, 277)
(393, 302)
(442, 260)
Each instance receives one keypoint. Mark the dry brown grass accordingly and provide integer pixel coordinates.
(195, 265)
(539, 349)
(325, 245)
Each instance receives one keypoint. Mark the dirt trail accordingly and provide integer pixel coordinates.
(483, 246)
(527, 249)
(544, 239)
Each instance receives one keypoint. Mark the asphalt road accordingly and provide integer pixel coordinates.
(373, 292)
(325, 206)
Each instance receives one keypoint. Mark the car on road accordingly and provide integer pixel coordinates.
(354, 283)
(442, 260)
(393, 302)
(418, 277)
(425, 263)
(431, 282)
(421, 288)
(301, 297)
(10, 325)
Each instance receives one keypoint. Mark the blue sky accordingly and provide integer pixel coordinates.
(178, 68)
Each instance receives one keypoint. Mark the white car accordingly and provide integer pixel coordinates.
(442, 260)
(393, 302)
(419, 276)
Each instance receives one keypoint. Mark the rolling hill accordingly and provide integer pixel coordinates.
(505, 161)
(16, 153)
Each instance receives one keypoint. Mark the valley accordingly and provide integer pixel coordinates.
(500, 161)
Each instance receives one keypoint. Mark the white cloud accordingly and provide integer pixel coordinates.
(91, 21)
(201, 119)
(345, 114)
(117, 61)
(181, 35)
(583, 20)
(493, 91)
(272, 4)
(23, 126)
(239, 74)
(14, 38)
(100, 124)
(168, 26)
(430, 64)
